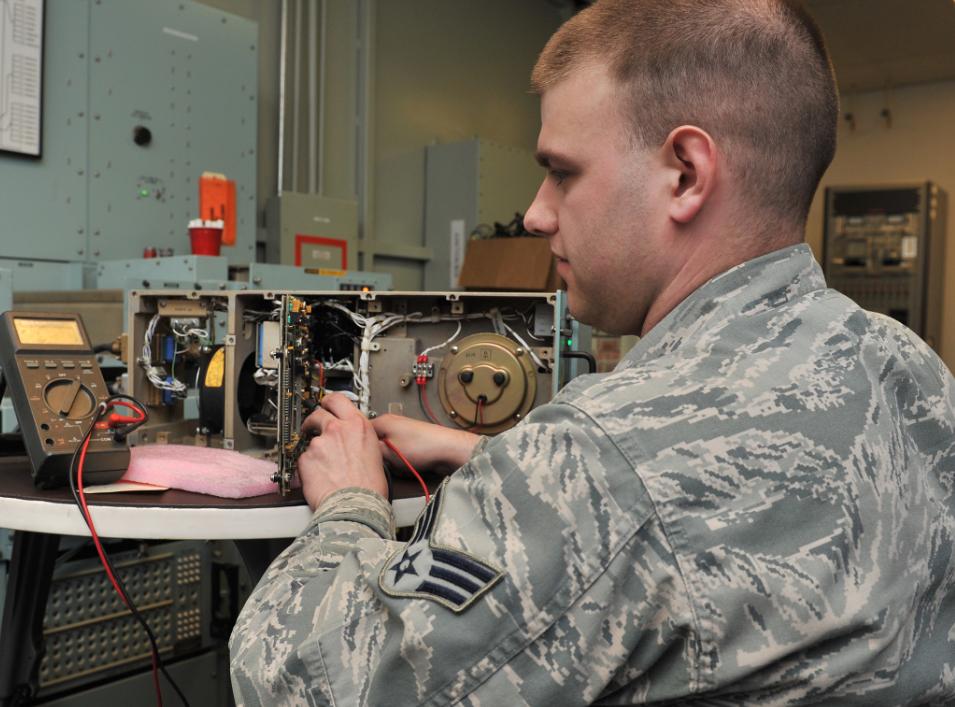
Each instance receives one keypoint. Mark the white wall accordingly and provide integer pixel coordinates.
(920, 145)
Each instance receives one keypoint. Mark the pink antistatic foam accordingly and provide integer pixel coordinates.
(217, 472)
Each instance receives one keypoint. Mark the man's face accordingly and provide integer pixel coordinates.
(597, 205)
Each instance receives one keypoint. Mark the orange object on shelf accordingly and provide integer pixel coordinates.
(217, 202)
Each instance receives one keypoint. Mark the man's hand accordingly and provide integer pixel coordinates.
(428, 447)
(345, 453)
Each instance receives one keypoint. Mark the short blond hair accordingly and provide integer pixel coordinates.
(755, 74)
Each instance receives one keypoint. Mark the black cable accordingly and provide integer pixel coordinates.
(103, 348)
(109, 563)
(591, 361)
(478, 423)
(427, 415)
(391, 488)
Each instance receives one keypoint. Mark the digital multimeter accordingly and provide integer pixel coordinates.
(56, 386)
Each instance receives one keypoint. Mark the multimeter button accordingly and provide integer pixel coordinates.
(49, 364)
(86, 365)
(33, 364)
(69, 365)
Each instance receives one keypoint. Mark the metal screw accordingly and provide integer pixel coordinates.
(517, 416)
(79, 171)
(96, 232)
(519, 351)
(95, 252)
(95, 174)
(372, 414)
(80, 55)
(80, 113)
(79, 252)
(221, 285)
(452, 414)
(257, 280)
(203, 430)
(79, 230)
(96, 116)
(454, 349)
(162, 303)
(206, 349)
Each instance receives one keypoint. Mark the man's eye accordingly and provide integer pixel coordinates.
(559, 176)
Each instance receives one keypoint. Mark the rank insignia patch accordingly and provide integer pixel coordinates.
(453, 578)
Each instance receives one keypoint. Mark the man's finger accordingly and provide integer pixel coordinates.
(340, 406)
(317, 421)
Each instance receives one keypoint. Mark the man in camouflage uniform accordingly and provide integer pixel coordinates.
(755, 508)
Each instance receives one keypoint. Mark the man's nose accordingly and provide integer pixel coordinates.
(541, 218)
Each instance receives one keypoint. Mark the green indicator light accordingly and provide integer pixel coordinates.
(145, 193)
(570, 342)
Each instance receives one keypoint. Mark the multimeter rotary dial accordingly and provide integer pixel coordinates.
(69, 398)
(487, 380)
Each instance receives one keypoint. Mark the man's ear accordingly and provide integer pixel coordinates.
(692, 158)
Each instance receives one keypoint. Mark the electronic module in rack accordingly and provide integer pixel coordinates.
(884, 247)
(474, 361)
(56, 385)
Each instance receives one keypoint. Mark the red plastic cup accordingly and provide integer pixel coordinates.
(205, 240)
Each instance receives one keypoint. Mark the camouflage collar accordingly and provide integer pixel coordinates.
(754, 286)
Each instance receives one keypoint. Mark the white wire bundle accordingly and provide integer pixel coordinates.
(188, 331)
(441, 346)
(156, 374)
(266, 376)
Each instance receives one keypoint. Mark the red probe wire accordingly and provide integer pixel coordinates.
(96, 541)
(427, 496)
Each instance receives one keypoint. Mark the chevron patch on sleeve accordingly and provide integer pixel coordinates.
(422, 569)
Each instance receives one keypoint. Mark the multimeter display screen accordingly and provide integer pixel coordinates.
(41, 332)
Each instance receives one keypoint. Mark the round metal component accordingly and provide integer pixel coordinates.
(485, 381)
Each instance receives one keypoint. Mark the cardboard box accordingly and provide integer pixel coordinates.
(510, 265)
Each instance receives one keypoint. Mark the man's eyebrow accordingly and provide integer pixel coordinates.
(546, 158)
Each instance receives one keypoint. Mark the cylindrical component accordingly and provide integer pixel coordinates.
(484, 381)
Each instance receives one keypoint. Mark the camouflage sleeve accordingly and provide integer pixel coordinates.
(539, 573)
(260, 643)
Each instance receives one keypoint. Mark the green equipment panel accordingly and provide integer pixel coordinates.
(140, 98)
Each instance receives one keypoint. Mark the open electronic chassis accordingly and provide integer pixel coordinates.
(259, 362)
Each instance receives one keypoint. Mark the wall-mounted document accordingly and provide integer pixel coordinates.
(21, 73)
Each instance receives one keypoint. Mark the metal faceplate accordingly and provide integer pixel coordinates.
(487, 383)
